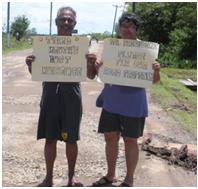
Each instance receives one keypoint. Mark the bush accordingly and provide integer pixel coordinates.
(169, 60)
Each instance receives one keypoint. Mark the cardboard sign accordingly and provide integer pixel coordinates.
(59, 58)
(128, 62)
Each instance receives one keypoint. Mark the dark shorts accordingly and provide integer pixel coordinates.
(128, 126)
(61, 112)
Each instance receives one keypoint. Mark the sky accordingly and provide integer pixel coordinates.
(92, 17)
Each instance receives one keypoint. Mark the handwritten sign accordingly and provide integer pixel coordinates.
(128, 62)
(59, 58)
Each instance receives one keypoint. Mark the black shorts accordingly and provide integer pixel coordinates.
(61, 112)
(128, 126)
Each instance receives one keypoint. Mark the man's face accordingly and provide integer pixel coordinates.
(128, 30)
(65, 23)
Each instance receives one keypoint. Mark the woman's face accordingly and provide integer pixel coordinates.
(128, 30)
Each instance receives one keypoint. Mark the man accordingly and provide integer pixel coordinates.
(124, 110)
(61, 110)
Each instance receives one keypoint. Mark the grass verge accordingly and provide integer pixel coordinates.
(18, 46)
(179, 101)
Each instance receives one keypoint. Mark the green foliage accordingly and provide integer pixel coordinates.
(173, 25)
(99, 36)
(156, 21)
(24, 43)
(175, 73)
(19, 27)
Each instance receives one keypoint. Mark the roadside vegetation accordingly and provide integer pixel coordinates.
(176, 99)
(19, 35)
(15, 45)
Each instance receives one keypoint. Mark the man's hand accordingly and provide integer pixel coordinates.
(156, 68)
(29, 59)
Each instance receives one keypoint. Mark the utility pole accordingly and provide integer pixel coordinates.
(8, 26)
(116, 6)
(50, 29)
(133, 6)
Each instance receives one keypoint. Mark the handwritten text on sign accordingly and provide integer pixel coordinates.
(59, 58)
(128, 62)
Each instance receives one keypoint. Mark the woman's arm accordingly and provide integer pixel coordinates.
(156, 74)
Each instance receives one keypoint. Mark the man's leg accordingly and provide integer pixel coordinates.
(132, 155)
(111, 149)
(71, 153)
(50, 156)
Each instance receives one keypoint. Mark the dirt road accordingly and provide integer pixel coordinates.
(23, 161)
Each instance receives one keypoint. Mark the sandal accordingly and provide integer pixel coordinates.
(102, 182)
(124, 184)
(45, 184)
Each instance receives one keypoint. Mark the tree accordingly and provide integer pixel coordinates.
(184, 34)
(157, 20)
(19, 27)
(174, 26)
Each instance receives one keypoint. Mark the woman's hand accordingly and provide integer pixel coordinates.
(156, 68)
